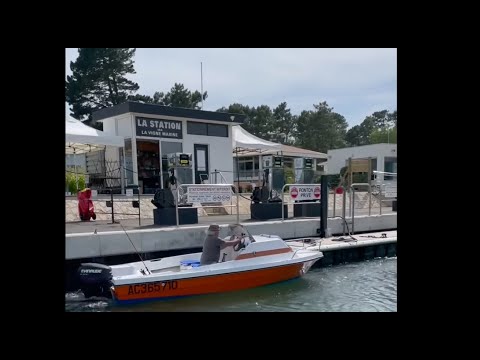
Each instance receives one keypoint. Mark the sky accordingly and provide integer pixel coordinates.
(355, 82)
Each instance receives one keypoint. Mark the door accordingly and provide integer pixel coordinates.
(200, 158)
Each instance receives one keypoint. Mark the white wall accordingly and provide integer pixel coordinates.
(219, 148)
(125, 125)
(109, 126)
(219, 153)
(337, 158)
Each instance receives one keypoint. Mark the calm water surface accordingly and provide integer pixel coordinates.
(364, 286)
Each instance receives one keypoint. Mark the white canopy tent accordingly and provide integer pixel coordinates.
(244, 141)
(81, 138)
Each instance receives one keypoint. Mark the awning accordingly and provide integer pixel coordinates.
(81, 138)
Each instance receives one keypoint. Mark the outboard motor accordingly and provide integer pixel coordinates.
(95, 280)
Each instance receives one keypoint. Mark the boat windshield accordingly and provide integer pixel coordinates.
(239, 230)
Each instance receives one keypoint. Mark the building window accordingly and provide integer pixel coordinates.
(197, 128)
(248, 167)
(390, 166)
(217, 130)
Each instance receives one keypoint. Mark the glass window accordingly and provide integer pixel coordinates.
(374, 168)
(201, 162)
(169, 147)
(196, 128)
(128, 162)
(148, 163)
(217, 130)
(390, 166)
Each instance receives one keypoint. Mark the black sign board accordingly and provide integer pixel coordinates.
(308, 163)
(158, 128)
(277, 161)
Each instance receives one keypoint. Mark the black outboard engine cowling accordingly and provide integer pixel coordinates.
(95, 280)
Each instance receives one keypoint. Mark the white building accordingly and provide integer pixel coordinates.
(250, 162)
(152, 131)
(384, 158)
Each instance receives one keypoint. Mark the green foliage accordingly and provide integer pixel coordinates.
(320, 129)
(283, 125)
(357, 177)
(384, 136)
(277, 125)
(99, 80)
(374, 129)
(289, 175)
(178, 96)
(71, 182)
(360, 178)
(333, 181)
(250, 113)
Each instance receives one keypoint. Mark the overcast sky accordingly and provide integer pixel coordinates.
(355, 82)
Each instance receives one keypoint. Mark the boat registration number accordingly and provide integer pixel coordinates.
(152, 287)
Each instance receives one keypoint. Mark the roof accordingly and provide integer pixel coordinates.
(155, 109)
(251, 145)
(243, 142)
(287, 150)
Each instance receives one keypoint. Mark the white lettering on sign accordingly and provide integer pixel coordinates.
(159, 128)
(301, 192)
(390, 191)
(212, 193)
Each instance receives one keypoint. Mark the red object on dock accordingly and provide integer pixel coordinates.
(85, 205)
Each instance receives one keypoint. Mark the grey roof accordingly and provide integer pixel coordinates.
(154, 109)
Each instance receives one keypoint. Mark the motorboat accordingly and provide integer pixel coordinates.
(257, 260)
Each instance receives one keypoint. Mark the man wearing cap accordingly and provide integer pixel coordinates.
(213, 245)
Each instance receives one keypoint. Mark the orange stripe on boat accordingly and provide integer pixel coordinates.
(263, 253)
(208, 284)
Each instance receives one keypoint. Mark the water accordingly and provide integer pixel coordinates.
(368, 286)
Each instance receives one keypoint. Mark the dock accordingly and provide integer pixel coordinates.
(91, 239)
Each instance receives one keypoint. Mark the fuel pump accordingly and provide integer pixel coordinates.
(304, 170)
(273, 176)
(180, 172)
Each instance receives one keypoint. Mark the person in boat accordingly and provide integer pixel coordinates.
(213, 245)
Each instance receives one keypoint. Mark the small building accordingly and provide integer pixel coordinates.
(384, 158)
(249, 171)
(152, 131)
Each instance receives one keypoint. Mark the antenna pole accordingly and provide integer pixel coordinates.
(201, 81)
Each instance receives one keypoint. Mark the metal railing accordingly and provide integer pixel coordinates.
(352, 202)
(246, 175)
(216, 175)
(121, 199)
(185, 193)
(384, 186)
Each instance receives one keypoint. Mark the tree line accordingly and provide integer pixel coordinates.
(99, 80)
